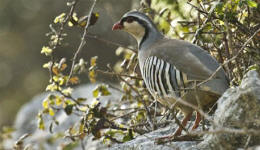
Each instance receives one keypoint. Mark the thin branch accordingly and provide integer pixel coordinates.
(140, 98)
(211, 32)
(117, 74)
(228, 54)
(198, 9)
(127, 114)
(83, 40)
(59, 34)
(231, 47)
(248, 141)
(209, 16)
(233, 58)
(113, 139)
(110, 42)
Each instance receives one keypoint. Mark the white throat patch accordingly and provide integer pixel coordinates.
(135, 29)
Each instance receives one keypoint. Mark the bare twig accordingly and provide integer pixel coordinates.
(248, 141)
(83, 41)
(127, 114)
(140, 98)
(59, 34)
(110, 42)
(198, 9)
(234, 57)
(231, 47)
(117, 74)
(212, 32)
(113, 139)
(209, 16)
(226, 44)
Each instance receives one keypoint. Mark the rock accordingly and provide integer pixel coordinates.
(147, 141)
(253, 148)
(238, 108)
(25, 121)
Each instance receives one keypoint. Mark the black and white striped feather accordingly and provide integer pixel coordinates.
(162, 78)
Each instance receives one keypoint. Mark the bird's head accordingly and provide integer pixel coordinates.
(137, 24)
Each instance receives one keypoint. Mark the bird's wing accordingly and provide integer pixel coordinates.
(190, 59)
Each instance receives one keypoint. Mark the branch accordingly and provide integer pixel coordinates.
(59, 34)
(210, 15)
(118, 74)
(149, 118)
(83, 40)
(110, 42)
(233, 58)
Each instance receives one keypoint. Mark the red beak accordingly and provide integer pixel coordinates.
(117, 26)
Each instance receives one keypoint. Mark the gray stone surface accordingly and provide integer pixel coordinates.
(147, 141)
(239, 107)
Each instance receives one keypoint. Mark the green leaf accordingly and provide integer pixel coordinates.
(92, 76)
(58, 100)
(219, 7)
(164, 25)
(94, 103)
(253, 67)
(101, 90)
(45, 103)
(95, 93)
(46, 50)
(93, 61)
(41, 125)
(60, 18)
(129, 136)
(126, 138)
(7, 130)
(81, 99)
(104, 90)
(70, 146)
(51, 112)
(251, 3)
(68, 109)
(47, 65)
(67, 91)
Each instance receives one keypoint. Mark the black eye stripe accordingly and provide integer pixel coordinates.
(128, 19)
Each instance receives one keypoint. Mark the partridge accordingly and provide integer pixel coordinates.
(171, 68)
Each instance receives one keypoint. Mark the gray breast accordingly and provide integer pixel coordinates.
(163, 79)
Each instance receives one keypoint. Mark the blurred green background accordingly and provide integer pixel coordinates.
(23, 26)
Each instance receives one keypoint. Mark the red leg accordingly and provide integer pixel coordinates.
(197, 121)
(179, 130)
(184, 123)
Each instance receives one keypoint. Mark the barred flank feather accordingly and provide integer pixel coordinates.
(163, 78)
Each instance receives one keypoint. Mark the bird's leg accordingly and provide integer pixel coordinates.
(179, 130)
(183, 124)
(197, 121)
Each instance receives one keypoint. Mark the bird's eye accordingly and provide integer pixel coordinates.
(129, 19)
